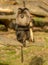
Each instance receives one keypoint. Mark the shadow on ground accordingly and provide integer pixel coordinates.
(3, 64)
(36, 61)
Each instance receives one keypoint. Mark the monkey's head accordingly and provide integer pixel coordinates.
(22, 12)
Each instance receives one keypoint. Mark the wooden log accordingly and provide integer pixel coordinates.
(38, 12)
(11, 2)
(44, 5)
(45, 2)
(35, 9)
(9, 17)
(5, 10)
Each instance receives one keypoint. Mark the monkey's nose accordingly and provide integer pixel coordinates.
(22, 16)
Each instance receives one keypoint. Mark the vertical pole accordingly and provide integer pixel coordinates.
(31, 31)
(24, 4)
(22, 58)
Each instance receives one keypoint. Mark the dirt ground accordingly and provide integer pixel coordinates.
(33, 54)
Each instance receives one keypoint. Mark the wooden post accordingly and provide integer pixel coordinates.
(22, 58)
(31, 31)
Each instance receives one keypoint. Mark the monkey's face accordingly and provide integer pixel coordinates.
(22, 17)
(22, 12)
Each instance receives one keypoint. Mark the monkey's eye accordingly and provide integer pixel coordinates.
(24, 12)
(19, 12)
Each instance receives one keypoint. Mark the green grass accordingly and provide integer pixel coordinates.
(38, 19)
(33, 55)
(10, 57)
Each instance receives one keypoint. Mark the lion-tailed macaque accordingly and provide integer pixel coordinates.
(24, 20)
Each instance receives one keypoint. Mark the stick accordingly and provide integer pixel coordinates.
(31, 31)
(22, 58)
